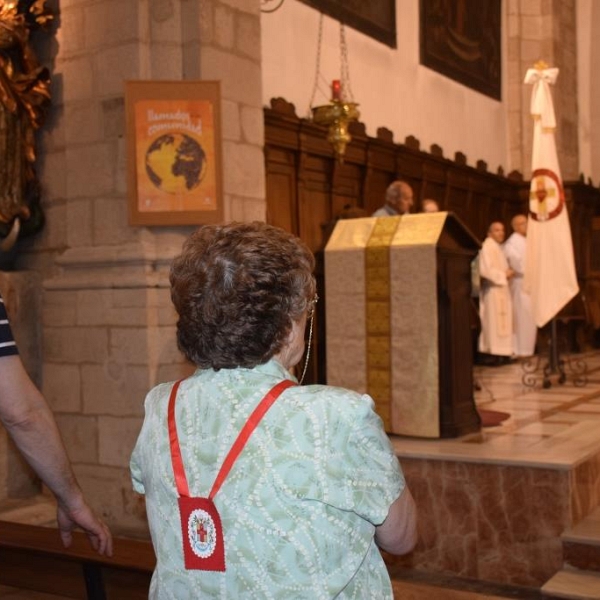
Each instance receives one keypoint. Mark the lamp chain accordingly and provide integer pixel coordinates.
(345, 68)
(308, 346)
(318, 66)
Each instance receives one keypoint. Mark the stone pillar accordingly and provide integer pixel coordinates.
(108, 323)
(542, 30)
(230, 51)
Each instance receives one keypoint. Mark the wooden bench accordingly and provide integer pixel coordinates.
(34, 558)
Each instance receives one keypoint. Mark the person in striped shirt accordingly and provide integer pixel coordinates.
(29, 421)
(8, 347)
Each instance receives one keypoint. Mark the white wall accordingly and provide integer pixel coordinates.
(392, 88)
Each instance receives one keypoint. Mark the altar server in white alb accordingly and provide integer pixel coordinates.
(524, 327)
(495, 306)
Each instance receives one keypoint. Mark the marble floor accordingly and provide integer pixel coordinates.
(557, 427)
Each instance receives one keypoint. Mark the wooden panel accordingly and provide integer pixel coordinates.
(409, 166)
(435, 191)
(55, 575)
(376, 183)
(52, 575)
(126, 585)
(314, 198)
(59, 570)
(434, 172)
(459, 195)
(346, 187)
(281, 197)
(480, 215)
(457, 410)
(381, 155)
(313, 215)
(128, 553)
(459, 202)
(594, 254)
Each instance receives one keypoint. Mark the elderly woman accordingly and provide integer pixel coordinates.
(298, 505)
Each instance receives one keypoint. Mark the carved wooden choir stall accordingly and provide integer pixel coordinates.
(308, 190)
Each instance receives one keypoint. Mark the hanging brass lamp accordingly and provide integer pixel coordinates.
(341, 109)
(337, 115)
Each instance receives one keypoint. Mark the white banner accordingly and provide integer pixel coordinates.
(550, 275)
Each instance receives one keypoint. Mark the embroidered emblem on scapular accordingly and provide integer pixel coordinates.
(202, 532)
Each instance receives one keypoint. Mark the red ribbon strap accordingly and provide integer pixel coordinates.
(180, 479)
(246, 432)
(257, 414)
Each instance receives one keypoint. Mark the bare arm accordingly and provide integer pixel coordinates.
(29, 421)
(398, 533)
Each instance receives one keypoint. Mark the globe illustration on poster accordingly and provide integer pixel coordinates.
(175, 163)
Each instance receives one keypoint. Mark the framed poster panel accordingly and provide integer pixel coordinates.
(462, 40)
(174, 152)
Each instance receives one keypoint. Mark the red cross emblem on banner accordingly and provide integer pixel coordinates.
(547, 196)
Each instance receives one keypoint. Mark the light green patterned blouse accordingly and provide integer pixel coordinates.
(300, 506)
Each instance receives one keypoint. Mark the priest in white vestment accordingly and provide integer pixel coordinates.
(524, 328)
(495, 305)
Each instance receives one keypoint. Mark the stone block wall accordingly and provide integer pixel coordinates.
(107, 321)
(542, 30)
(104, 348)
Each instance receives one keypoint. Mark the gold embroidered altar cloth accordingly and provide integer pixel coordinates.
(382, 318)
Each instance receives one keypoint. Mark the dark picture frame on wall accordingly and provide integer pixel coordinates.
(173, 152)
(375, 18)
(461, 39)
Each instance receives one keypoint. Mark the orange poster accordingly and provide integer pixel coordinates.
(175, 155)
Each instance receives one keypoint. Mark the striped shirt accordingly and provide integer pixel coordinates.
(7, 343)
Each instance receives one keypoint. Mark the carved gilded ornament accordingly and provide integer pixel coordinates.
(24, 100)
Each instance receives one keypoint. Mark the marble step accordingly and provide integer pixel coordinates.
(581, 543)
(574, 585)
